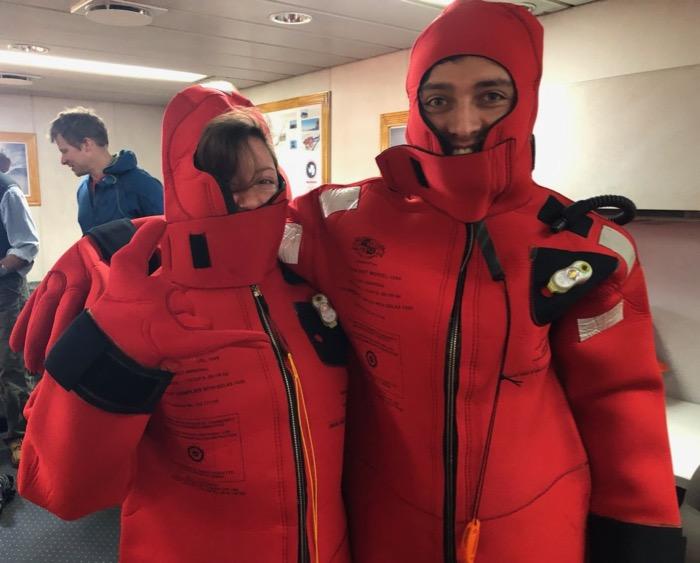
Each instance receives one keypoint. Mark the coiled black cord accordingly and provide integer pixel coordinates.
(627, 212)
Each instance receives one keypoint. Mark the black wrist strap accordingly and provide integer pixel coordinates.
(110, 237)
(84, 360)
(613, 541)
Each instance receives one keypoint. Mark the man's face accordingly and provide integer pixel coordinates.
(78, 159)
(462, 98)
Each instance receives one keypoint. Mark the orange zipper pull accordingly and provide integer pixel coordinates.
(470, 540)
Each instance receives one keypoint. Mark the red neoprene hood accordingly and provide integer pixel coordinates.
(470, 187)
(504, 33)
(238, 248)
(189, 192)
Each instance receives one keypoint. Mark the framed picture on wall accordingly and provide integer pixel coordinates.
(20, 149)
(392, 129)
(300, 129)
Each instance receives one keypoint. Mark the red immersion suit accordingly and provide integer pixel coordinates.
(240, 459)
(439, 270)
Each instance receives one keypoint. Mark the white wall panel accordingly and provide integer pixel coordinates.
(319, 81)
(618, 37)
(637, 135)
(361, 92)
(668, 251)
(139, 126)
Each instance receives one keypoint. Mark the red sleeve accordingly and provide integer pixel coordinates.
(76, 458)
(604, 352)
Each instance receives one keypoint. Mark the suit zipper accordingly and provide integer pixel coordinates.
(452, 357)
(292, 404)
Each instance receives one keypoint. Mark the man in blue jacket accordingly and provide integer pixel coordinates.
(112, 186)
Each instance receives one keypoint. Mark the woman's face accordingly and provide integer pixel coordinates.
(256, 180)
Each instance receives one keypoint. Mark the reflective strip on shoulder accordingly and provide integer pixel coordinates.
(291, 242)
(595, 325)
(339, 199)
(617, 242)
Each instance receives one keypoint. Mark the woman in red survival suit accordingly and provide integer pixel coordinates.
(206, 398)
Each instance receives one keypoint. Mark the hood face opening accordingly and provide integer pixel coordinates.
(505, 34)
(469, 184)
(191, 193)
(485, 141)
(235, 148)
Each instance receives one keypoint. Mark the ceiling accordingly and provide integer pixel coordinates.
(225, 38)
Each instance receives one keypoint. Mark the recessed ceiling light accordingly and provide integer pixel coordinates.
(121, 13)
(290, 18)
(14, 79)
(96, 67)
(28, 48)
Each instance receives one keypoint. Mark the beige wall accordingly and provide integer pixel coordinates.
(130, 126)
(617, 37)
(619, 113)
(668, 249)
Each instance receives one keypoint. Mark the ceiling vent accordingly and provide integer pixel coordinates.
(122, 13)
(14, 79)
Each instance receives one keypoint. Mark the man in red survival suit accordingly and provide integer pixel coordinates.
(207, 399)
(510, 407)
(507, 405)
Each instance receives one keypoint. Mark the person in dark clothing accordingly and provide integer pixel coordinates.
(112, 186)
(19, 245)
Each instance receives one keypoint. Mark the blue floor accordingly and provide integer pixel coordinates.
(30, 534)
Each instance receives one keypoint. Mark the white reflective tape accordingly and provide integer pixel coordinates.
(291, 242)
(617, 242)
(596, 325)
(339, 199)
